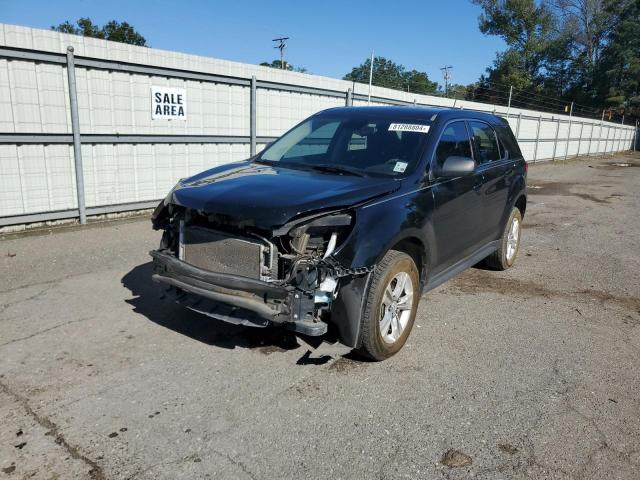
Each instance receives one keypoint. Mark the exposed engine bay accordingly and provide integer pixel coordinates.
(251, 276)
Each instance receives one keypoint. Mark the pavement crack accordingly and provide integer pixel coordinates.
(40, 332)
(237, 463)
(95, 471)
(48, 286)
(37, 284)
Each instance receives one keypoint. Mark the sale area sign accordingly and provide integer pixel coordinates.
(168, 103)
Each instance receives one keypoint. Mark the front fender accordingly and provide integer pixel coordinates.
(382, 224)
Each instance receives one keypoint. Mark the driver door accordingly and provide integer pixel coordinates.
(457, 217)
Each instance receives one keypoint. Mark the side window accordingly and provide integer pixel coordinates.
(454, 142)
(485, 142)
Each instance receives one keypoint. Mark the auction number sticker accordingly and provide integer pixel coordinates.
(408, 127)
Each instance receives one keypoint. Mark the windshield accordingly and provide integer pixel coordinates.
(354, 145)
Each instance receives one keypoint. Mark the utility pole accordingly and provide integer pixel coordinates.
(447, 77)
(370, 77)
(282, 44)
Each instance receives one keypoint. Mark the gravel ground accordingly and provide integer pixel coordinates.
(530, 373)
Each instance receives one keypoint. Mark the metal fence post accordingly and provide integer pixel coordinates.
(626, 139)
(566, 149)
(635, 136)
(620, 136)
(75, 130)
(535, 150)
(599, 138)
(555, 142)
(580, 139)
(349, 99)
(518, 126)
(590, 140)
(252, 117)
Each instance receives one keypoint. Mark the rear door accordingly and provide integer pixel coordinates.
(494, 166)
(457, 212)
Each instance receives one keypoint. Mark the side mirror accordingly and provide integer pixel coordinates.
(457, 167)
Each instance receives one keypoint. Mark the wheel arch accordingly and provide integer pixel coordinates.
(521, 204)
(416, 249)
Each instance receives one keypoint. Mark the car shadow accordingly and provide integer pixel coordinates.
(149, 300)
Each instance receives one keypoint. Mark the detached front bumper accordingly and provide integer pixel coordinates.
(232, 298)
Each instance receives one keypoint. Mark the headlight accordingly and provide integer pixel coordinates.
(320, 236)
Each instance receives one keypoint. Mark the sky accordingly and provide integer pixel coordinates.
(326, 37)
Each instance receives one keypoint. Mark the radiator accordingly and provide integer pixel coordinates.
(219, 252)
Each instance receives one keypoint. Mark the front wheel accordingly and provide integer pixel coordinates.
(391, 305)
(507, 252)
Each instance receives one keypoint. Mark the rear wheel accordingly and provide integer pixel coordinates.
(391, 305)
(506, 254)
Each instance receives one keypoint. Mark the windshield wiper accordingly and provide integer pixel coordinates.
(337, 169)
(264, 162)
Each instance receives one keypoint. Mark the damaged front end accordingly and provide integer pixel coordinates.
(243, 274)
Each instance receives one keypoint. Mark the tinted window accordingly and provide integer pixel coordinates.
(376, 146)
(454, 142)
(508, 143)
(485, 141)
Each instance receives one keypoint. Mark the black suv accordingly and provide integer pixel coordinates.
(345, 220)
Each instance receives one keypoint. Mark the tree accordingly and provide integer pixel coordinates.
(526, 27)
(392, 75)
(584, 25)
(581, 51)
(115, 31)
(287, 66)
(461, 92)
(619, 69)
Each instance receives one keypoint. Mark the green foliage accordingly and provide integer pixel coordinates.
(619, 70)
(585, 51)
(392, 75)
(461, 92)
(115, 31)
(287, 66)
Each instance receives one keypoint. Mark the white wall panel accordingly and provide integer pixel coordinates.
(7, 123)
(34, 99)
(10, 181)
(36, 178)
(278, 111)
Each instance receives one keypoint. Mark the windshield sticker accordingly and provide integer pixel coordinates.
(408, 127)
(400, 166)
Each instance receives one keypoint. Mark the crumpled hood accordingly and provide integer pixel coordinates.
(268, 196)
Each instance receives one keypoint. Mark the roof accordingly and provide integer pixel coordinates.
(406, 112)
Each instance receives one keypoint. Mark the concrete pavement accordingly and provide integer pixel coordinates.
(529, 373)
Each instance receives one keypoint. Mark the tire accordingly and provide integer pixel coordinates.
(506, 254)
(391, 303)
